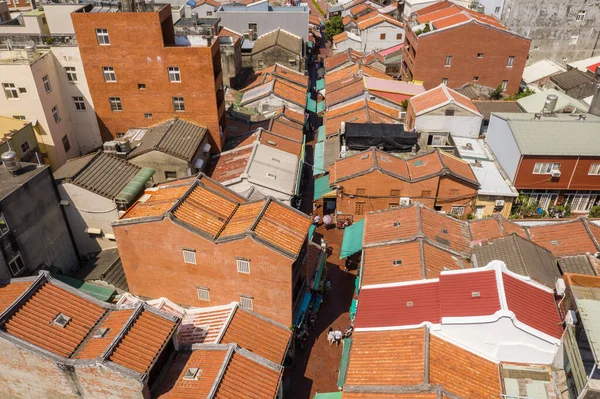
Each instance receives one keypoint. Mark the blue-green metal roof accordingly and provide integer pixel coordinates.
(328, 395)
(344, 362)
(319, 159)
(321, 133)
(133, 188)
(320, 84)
(321, 187)
(98, 292)
(353, 239)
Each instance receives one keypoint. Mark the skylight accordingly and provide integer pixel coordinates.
(193, 373)
(61, 320)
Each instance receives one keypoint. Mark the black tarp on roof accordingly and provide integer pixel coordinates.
(387, 137)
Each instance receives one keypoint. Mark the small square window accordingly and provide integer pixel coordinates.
(479, 55)
(22, 90)
(55, 114)
(79, 103)
(61, 320)
(71, 74)
(102, 37)
(448, 60)
(109, 74)
(536, 47)
(10, 91)
(47, 85)
(189, 256)
(25, 146)
(101, 333)
(574, 39)
(497, 10)
(178, 104)
(193, 373)
(511, 61)
(445, 81)
(581, 16)
(174, 75)
(148, 116)
(382, 36)
(66, 143)
(397, 262)
(246, 302)
(398, 36)
(115, 104)
(203, 294)
(475, 79)
(209, 13)
(449, 112)
(458, 210)
(16, 264)
(19, 117)
(253, 27)
(141, 86)
(243, 266)
(171, 175)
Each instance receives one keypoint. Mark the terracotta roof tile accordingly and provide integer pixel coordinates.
(161, 200)
(376, 20)
(242, 219)
(294, 116)
(9, 292)
(383, 226)
(290, 92)
(340, 37)
(33, 322)
(246, 378)
(291, 75)
(458, 166)
(204, 325)
(346, 20)
(368, 161)
(373, 395)
(533, 306)
(336, 60)
(283, 227)
(378, 267)
(446, 14)
(209, 362)
(281, 143)
(286, 128)
(595, 230)
(257, 335)
(445, 230)
(340, 74)
(93, 347)
(361, 111)
(349, 89)
(369, 71)
(229, 165)
(360, 8)
(219, 188)
(366, 17)
(438, 260)
(408, 305)
(485, 229)
(456, 293)
(142, 343)
(424, 165)
(461, 372)
(563, 239)
(399, 357)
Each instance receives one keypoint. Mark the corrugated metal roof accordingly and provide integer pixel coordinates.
(571, 79)
(535, 102)
(280, 37)
(589, 309)
(100, 173)
(105, 266)
(175, 137)
(579, 264)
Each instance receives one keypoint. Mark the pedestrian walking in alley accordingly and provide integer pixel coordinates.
(338, 336)
(316, 220)
(330, 336)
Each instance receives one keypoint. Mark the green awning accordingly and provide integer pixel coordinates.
(102, 293)
(320, 84)
(319, 159)
(344, 362)
(353, 309)
(319, 273)
(328, 395)
(309, 44)
(353, 239)
(311, 231)
(132, 189)
(321, 187)
(311, 105)
(321, 133)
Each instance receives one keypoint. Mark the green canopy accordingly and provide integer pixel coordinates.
(328, 395)
(320, 84)
(319, 273)
(344, 363)
(311, 104)
(309, 44)
(319, 159)
(353, 239)
(321, 133)
(353, 309)
(102, 293)
(132, 189)
(311, 231)
(321, 187)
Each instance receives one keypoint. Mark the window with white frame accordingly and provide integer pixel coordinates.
(71, 74)
(504, 85)
(243, 266)
(102, 37)
(3, 225)
(574, 39)
(10, 91)
(582, 202)
(178, 104)
(25, 146)
(55, 114)
(47, 86)
(458, 210)
(189, 256)
(15, 264)
(203, 294)
(445, 81)
(594, 169)
(115, 104)
(511, 61)
(448, 60)
(545, 168)
(79, 103)
(581, 15)
(174, 75)
(246, 302)
(109, 74)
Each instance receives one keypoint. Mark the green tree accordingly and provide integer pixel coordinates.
(497, 94)
(333, 27)
(521, 94)
(595, 212)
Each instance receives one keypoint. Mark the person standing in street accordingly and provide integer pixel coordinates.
(330, 336)
(338, 336)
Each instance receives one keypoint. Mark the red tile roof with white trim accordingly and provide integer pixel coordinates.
(439, 97)
(446, 14)
(469, 294)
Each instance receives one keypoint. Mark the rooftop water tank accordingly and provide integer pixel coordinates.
(11, 162)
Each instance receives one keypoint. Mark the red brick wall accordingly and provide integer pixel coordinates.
(153, 263)
(573, 174)
(463, 44)
(377, 184)
(138, 53)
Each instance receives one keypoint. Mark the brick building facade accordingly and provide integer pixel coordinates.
(139, 76)
(453, 45)
(200, 244)
(373, 180)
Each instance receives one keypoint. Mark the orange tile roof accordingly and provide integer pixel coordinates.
(563, 239)
(209, 362)
(438, 97)
(344, 90)
(283, 227)
(369, 71)
(245, 378)
(9, 292)
(161, 200)
(457, 166)
(259, 79)
(294, 116)
(281, 143)
(376, 20)
(393, 224)
(462, 372)
(290, 75)
(143, 342)
(377, 395)
(445, 230)
(115, 321)
(360, 111)
(495, 227)
(242, 219)
(258, 335)
(204, 325)
(387, 358)
(315, 20)
(378, 267)
(346, 20)
(287, 128)
(340, 74)
(336, 60)
(424, 165)
(217, 187)
(33, 321)
(360, 8)
(446, 14)
(340, 37)
(229, 165)
(290, 92)
(366, 17)
(438, 260)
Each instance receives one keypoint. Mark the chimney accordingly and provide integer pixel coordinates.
(595, 105)
(537, 116)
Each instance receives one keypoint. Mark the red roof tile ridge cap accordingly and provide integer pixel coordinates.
(137, 310)
(260, 215)
(223, 369)
(400, 284)
(586, 225)
(225, 326)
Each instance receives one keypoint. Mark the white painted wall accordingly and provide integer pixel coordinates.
(490, 7)
(501, 341)
(411, 6)
(87, 209)
(347, 44)
(371, 37)
(272, 102)
(501, 141)
(460, 126)
(59, 19)
(202, 11)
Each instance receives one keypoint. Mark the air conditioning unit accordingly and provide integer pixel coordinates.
(111, 147)
(571, 317)
(499, 203)
(560, 287)
(404, 201)
(555, 173)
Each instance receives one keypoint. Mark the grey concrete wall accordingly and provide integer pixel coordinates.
(274, 55)
(550, 24)
(26, 134)
(161, 162)
(231, 63)
(267, 21)
(33, 215)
